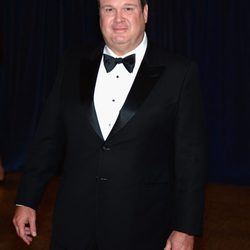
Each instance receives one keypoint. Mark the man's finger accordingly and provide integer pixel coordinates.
(27, 230)
(22, 234)
(33, 226)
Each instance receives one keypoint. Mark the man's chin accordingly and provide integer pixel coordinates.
(120, 39)
(119, 42)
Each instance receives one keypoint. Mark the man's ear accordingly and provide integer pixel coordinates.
(145, 13)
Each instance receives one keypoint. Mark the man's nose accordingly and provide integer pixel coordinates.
(119, 16)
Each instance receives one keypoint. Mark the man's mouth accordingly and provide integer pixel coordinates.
(119, 29)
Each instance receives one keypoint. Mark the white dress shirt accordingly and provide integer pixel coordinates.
(112, 88)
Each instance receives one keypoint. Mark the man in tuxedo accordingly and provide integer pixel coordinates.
(126, 119)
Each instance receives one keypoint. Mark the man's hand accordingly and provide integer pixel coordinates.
(24, 221)
(179, 241)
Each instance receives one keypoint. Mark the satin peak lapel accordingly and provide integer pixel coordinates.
(145, 80)
(89, 70)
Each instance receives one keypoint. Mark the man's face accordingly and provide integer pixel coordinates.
(122, 23)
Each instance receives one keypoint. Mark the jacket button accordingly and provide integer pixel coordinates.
(103, 179)
(105, 148)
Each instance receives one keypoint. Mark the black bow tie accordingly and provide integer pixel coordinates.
(128, 62)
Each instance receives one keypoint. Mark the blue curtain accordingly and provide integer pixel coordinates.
(214, 33)
(35, 35)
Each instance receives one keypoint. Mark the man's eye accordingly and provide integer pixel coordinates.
(108, 10)
(129, 9)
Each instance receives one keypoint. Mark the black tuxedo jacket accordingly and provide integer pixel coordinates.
(145, 180)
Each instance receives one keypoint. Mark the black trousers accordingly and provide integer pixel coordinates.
(56, 246)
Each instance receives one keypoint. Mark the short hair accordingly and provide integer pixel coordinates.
(143, 3)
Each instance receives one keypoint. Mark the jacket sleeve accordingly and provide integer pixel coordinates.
(46, 149)
(190, 156)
